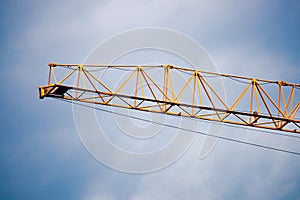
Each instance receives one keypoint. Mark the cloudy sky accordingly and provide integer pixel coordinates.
(41, 154)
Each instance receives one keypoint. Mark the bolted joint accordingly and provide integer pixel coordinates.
(196, 72)
(168, 66)
(254, 82)
(282, 83)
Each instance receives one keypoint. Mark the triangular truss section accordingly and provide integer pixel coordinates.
(179, 91)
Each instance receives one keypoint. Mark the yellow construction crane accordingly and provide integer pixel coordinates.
(178, 91)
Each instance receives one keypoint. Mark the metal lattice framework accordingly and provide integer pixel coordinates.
(265, 104)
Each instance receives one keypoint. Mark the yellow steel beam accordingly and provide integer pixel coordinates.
(163, 97)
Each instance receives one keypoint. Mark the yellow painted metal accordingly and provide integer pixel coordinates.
(201, 100)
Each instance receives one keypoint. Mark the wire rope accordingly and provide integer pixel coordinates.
(188, 130)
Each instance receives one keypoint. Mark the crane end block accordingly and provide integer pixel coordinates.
(52, 64)
(42, 92)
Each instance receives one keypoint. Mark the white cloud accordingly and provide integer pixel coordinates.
(67, 31)
(102, 196)
(254, 60)
(231, 171)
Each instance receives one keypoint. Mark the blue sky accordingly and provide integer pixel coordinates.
(41, 155)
